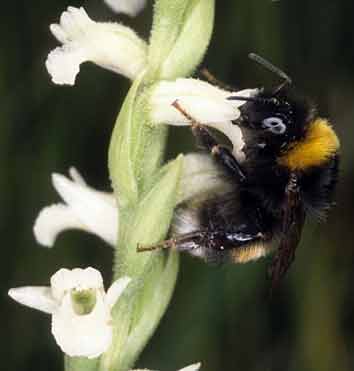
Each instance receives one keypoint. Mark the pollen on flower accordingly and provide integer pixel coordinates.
(83, 301)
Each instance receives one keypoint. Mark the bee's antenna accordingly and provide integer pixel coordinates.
(238, 97)
(251, 99)
(270, 67)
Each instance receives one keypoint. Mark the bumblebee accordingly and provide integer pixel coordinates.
(290, 171)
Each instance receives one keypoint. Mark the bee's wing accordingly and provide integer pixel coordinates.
(293, 221)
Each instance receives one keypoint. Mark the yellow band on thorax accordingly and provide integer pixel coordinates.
(318, 146)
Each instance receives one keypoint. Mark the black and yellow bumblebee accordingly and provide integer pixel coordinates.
(290, 170)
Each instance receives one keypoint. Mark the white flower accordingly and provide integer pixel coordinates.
(194, 367)
(130, 7)
(84, 208)
(80, 309)
(109, 45)
(96, 212)
(206, 103)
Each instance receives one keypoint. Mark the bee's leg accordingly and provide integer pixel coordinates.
(222, 155)
(183, 242)
(208, 240)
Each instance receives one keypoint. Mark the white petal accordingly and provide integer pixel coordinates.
(96, 211)
(76, 176)
(234, 134)
(63, 63)
(116, 290)
(75, 21)
(87, 335)
(206, 103)
(65, 280)
(130, 7)
(194, 367)
(200, 174)
(53, 220)
(37, 297)
(109, 45)
(59, 33)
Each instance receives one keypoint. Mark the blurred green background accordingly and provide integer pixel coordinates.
(220, 316)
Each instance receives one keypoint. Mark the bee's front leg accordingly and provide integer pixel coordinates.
(221, 154)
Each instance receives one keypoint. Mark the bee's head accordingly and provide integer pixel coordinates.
(289, 130)
(285, 127)
(275, 120)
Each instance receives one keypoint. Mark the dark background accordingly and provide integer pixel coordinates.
(220, 316)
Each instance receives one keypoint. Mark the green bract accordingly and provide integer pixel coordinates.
(180, 35)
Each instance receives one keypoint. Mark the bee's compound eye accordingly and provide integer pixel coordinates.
(274, 124)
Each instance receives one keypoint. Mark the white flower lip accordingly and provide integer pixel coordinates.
(78, 335)
(130, 7)
(109, 45)
(206, 103)
(84, 208)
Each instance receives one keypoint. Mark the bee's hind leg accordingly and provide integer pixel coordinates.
(183, 242)
(213, 245)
